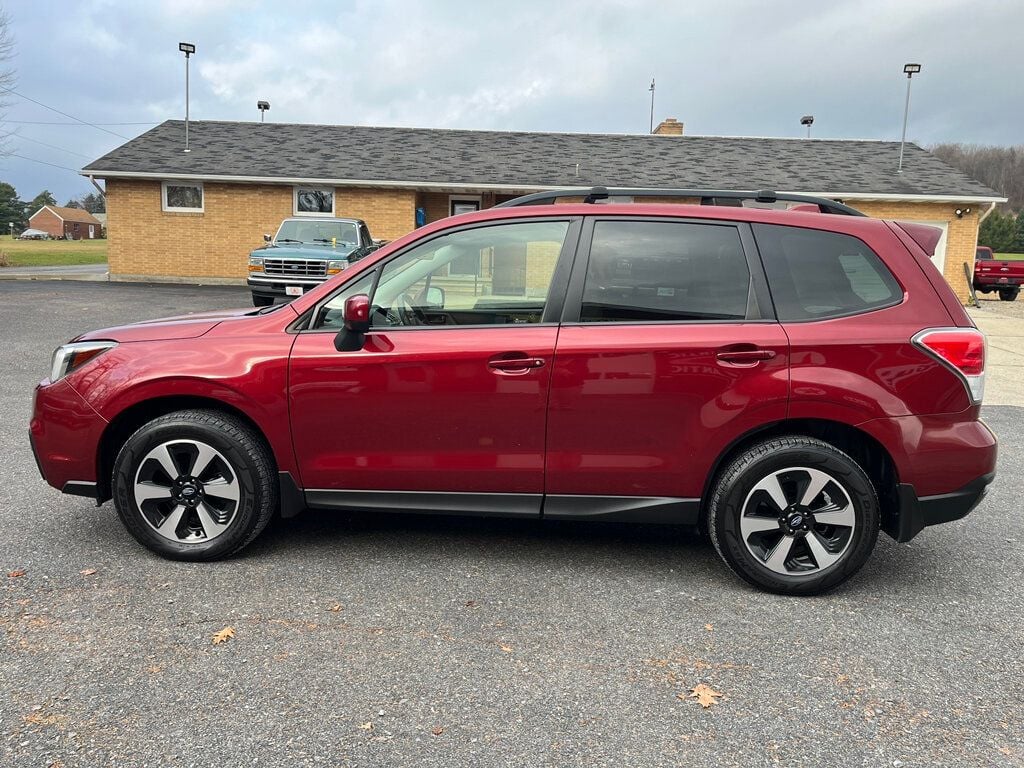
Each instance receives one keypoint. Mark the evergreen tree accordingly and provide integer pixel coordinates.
(1020, 232)
(73, 203)
(12, 210)
(43, 198)
(999, 232)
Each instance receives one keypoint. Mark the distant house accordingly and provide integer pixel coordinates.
(66, 223)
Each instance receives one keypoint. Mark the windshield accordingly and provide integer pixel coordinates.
(338, 233)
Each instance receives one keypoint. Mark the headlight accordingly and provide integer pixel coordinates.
(255, 263)
(70, 357)
(334, 266)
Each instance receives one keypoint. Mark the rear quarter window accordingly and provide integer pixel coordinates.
(815, 275)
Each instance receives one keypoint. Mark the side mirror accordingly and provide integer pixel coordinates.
(357, 313)
(266, 238)
(357, 322)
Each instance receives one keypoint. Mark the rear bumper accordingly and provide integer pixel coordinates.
(996, 282)
(915, 514)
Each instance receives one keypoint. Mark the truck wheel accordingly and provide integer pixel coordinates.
(195, 485)
(262, 301)
(794, 515)
(1008, 294)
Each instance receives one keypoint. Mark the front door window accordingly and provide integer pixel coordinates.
(484, 276)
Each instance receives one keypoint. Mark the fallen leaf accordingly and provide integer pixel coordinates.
(367, 726)
(223, 636)
(507, 648)
(471, 604)
(705, 695)
(335, 608)
(88, 572)
(709, 627)
(15, 574)
(438, 731)
(1006, 751)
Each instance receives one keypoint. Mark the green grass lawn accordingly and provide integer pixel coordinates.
(1010, 256)
(40, 253)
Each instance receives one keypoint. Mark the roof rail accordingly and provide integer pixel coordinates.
(707, 197)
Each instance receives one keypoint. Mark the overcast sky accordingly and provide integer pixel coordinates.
(731, 67)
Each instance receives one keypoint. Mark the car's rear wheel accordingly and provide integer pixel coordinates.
(262, 301)
(1008, 294)
(195, 485)
(794, 515)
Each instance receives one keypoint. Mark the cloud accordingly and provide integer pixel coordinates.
(743, 67)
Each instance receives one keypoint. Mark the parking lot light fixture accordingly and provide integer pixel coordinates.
(807, 120)
(911, 70)
(263, 107)
(188, 49)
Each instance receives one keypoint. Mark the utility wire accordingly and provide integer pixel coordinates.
(65, 114)
(41, 143)
(64, 122)
(42, 162)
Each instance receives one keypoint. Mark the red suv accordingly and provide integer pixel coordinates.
(790, 381)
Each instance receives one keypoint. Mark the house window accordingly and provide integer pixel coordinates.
(313, 201)
(186, 196)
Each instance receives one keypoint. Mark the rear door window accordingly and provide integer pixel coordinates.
(815, 275)
(659, 271)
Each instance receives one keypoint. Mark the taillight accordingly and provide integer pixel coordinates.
(960, 349)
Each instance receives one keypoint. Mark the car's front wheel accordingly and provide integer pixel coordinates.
(262, 301)
(195, 485)
(794, 515)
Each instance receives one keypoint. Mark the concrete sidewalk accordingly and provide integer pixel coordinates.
(73, 272)
(1004, 380)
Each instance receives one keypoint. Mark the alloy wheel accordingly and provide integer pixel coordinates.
(798, 521)
(187, 491)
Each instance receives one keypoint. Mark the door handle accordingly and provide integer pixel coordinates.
(745, 355)
(516, 365)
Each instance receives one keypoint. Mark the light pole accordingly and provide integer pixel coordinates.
(188, 49)
(262, 106)
(11, 225)
(911, 70)
(651, 89)
(807, 120)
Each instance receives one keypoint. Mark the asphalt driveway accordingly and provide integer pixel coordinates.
(391, 641)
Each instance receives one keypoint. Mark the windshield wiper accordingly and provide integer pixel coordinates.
(286, 240)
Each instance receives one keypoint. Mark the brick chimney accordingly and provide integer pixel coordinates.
(669, 127)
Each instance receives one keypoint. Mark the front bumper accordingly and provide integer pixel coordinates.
(916, 514)
(277, 286)
(65, 435)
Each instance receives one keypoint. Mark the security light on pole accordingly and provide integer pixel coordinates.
(188, 49)
(807, 120)
(262, 106)
(911, 70)
(651, 89)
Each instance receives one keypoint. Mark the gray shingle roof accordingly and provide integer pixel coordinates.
(528, 160)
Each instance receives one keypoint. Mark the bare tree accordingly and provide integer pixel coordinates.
(1001, 168)
(6, 71)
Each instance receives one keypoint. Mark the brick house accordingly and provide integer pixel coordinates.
(66, 223)
(178, 215)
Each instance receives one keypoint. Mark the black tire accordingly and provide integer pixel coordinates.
(262, 301)
(1008, 294)
(735, 485)
(250, 465)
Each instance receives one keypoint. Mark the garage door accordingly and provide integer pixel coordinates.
(939, 257)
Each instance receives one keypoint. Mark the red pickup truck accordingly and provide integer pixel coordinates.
(991, 274)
